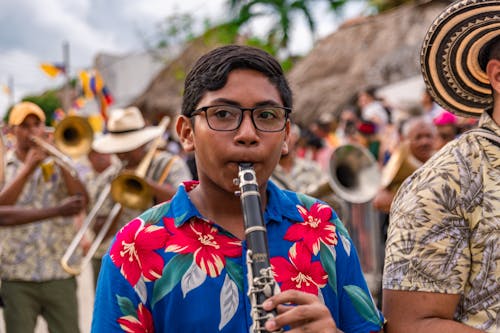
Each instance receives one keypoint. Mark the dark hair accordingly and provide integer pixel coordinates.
(490, 51)
(210, 73)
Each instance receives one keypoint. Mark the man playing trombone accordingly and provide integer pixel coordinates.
(33, 282)
(155, 174)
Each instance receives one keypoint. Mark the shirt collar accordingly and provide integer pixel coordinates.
(280, 205)
(486, 121)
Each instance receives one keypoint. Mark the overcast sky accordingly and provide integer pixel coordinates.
(33, 31)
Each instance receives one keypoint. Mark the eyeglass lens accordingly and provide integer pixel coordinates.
(228, 118)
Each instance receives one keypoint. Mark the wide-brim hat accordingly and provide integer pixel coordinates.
(452, 56)
(126, 131)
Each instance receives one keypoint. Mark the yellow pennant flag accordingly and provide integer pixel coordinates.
(51, 69)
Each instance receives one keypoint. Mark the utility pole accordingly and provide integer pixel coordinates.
(66, 104)
(10, 86)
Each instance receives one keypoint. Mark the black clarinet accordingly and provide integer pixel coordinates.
(261, 283)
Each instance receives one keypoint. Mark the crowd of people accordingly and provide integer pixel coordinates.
(177, 237)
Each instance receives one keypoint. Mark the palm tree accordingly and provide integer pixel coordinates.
(283, 11)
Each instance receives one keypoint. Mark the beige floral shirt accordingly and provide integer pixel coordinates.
(32, 252)
(444, 231)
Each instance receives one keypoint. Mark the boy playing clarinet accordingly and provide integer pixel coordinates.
(181, 266)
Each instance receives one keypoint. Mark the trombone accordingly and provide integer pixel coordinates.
(129, 188)
(89, 220)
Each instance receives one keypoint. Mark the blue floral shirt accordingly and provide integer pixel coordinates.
(172, 270)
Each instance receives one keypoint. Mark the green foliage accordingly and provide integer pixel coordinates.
(283, 13)
(48, 101)
(175, 29)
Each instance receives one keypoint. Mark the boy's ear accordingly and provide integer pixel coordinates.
(493, 72)
(185, 132)
(286, 141)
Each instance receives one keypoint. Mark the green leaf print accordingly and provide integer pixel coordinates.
(235, 272)
(327, 259)
(179, 219)
(306, 200)
(171, 276)
(154, 214)
(363, 304)
(126, 306)
(341, 229)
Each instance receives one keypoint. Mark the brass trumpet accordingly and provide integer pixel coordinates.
(129, 188)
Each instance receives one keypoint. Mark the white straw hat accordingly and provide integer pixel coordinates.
(126, 132)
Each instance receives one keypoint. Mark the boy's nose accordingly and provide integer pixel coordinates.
(246, 133)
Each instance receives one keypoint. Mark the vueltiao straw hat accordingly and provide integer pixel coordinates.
(454, 53)
(126, 131)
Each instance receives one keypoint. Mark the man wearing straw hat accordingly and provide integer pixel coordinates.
(442, 265)
(128, 137)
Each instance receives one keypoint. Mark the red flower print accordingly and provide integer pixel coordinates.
(134, 251)
(190, 184)
(142, 324)
(299, 272)
(209, 247)
(315, 228)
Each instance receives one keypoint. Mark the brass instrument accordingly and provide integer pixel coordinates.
(129, 188)
(76, 268)
(400, 166)
(354, 180)
(59, 158)
(353, 175)
(72, 136)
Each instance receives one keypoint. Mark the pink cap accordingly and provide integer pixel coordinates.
(445, 118)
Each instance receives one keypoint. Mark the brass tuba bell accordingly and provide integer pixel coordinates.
(355, 175)
(399, 167)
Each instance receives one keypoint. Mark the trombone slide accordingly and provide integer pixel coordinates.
(88, 223)
(62, 160)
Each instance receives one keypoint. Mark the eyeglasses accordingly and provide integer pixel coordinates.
(229, 117)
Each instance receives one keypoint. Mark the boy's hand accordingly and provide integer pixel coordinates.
(303, 312)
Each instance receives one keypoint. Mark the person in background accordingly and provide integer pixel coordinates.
(416, 148)
(347, 129)
(33, 281)
(128, 138)
(447, 128)
(442, 263)
(324, 129)
(295, 173)
(430, 108)
(165, 265)
(372, 109)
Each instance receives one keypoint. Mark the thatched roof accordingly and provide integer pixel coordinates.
(371, 51)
